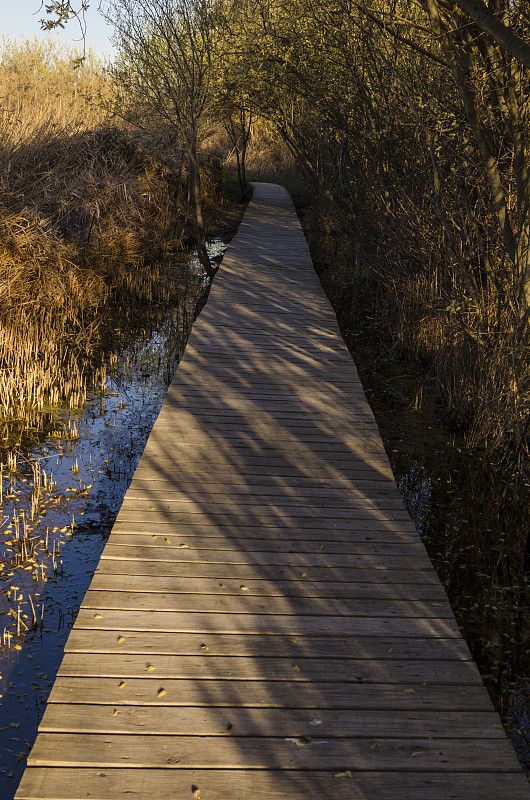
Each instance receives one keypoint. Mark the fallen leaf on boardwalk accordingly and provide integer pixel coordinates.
(345, 774)
(184, 546)
(121, 639)
(115, 712)
(304, 574)
(390, 651)
(296, 668)
(167, 541)
(374, 746)
(121, 684)
(196, 791)
(161, 692)
(150, 668)
(301, 741)
(416, 754)
(98, 616)
(244, 588)
(409, 691)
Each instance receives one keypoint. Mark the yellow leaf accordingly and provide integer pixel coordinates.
(161, 692)
(121, 684)
(121, 639)
(98, 616)
(416, 754)
(345, 774)
(150, 668)
(374, 746)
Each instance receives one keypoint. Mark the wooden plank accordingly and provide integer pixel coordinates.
(295, 537)
(258, 465)
(263, 694)
(252, 604)
(336, 723)
(304, 560)
(281, 441)
(325, 646)
(164, 784)
(363, 521)
(412, 547)
(377, 510)
(193, 622)
(166, 489)
(183, 476)
(245, 572)
(159, 552)
(263, 588)
(115, 750)
(205, 666)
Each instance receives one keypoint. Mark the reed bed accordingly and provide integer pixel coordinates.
(86, 208)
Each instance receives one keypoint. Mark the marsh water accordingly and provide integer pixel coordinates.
(473, 522)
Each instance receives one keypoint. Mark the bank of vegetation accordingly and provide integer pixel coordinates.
(89, 208)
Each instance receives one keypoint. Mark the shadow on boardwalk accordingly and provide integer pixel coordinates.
(265, 622)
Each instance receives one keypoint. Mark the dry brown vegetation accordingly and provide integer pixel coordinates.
(86, 206)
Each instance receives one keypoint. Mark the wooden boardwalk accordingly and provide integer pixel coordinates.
(265, 623)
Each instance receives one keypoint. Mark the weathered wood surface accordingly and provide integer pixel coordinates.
(265, 623)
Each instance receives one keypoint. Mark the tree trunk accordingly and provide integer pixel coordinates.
(202, 252)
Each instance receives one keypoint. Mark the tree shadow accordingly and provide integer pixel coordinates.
(265, 621)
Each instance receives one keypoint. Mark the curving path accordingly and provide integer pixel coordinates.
(265, 623)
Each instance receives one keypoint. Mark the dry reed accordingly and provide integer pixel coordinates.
(85, 207)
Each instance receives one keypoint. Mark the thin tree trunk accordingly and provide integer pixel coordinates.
(202, 252)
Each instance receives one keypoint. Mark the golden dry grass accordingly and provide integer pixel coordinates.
(85, 205)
